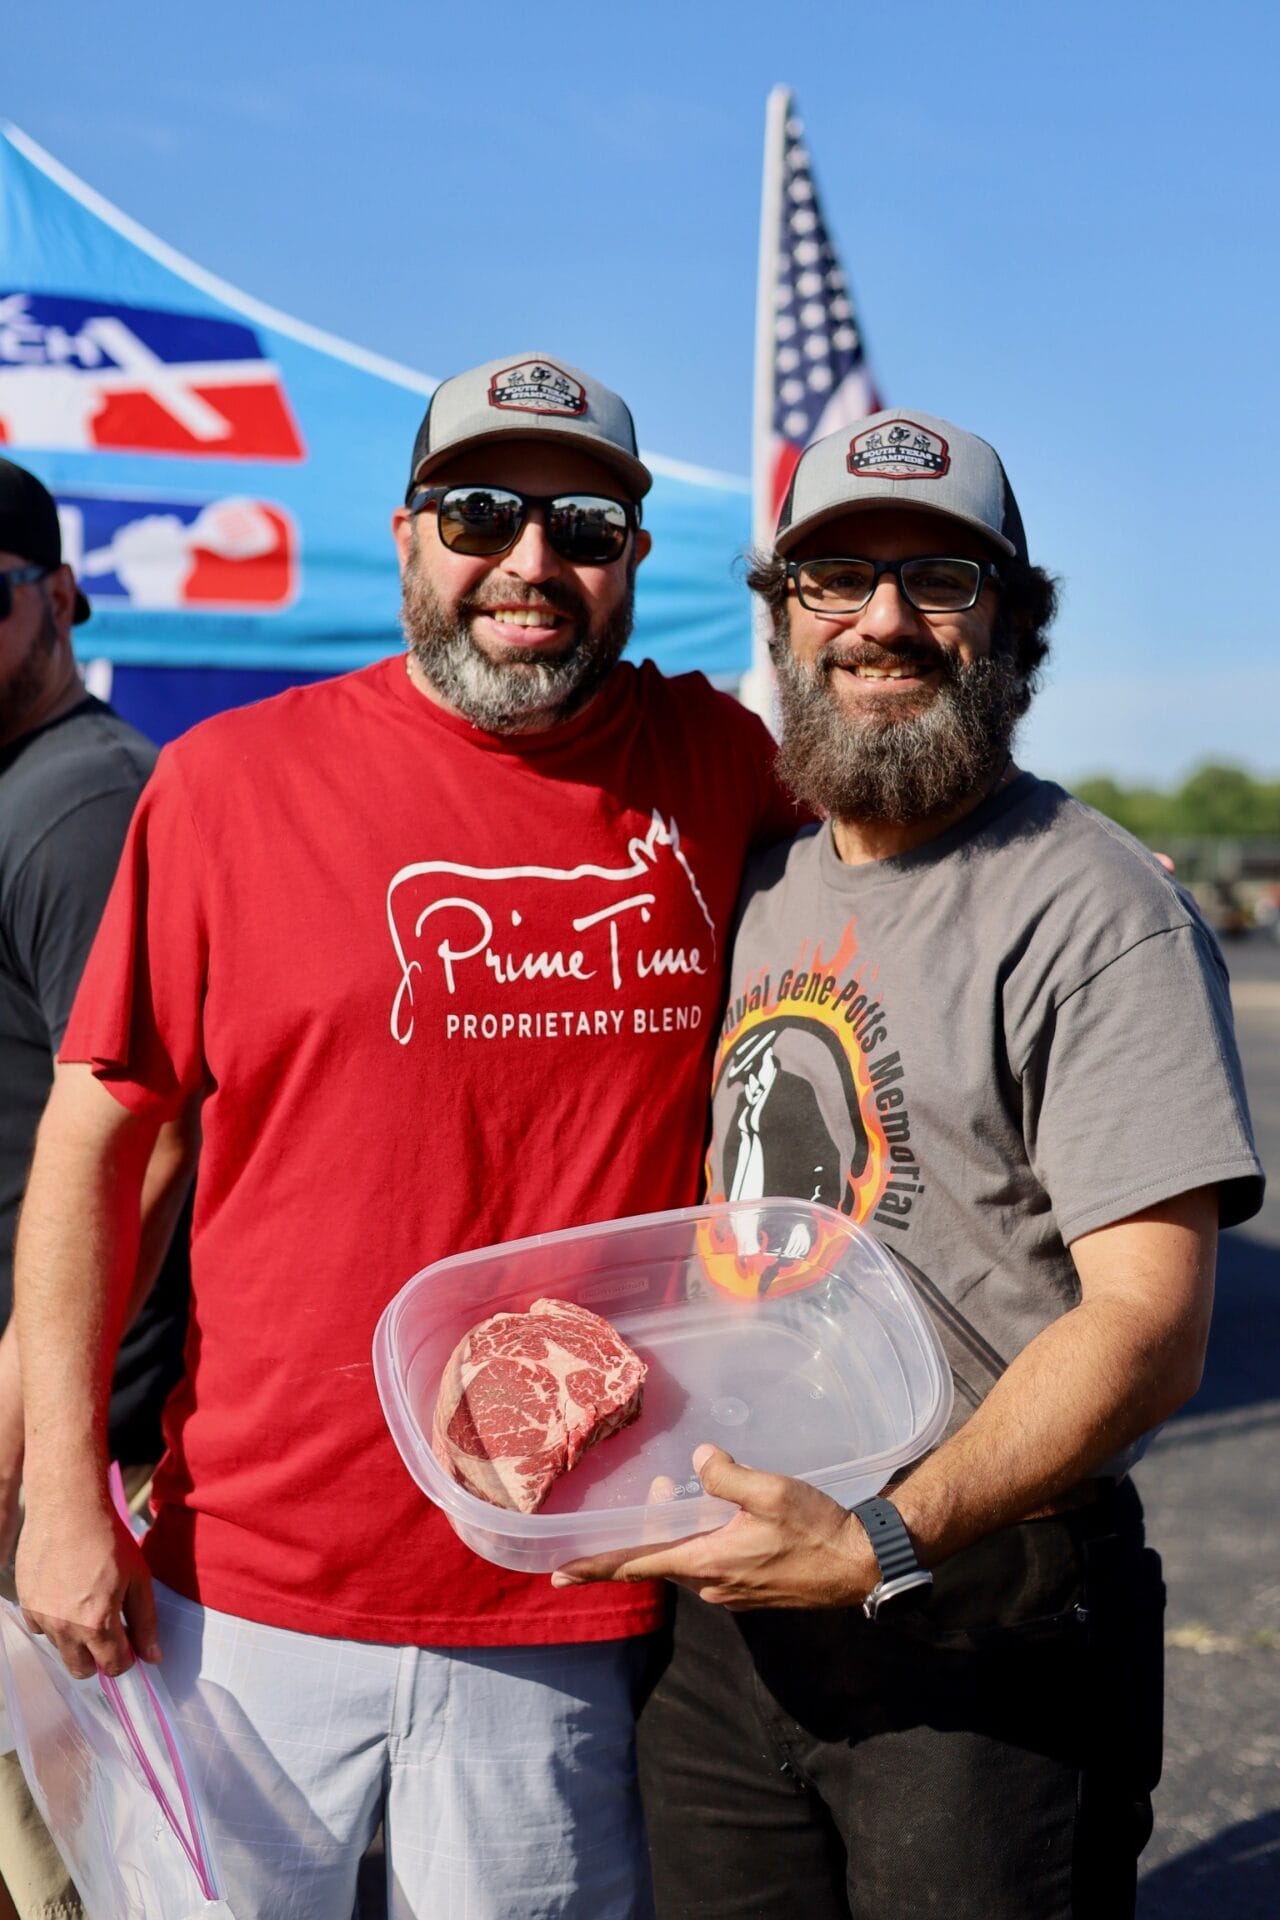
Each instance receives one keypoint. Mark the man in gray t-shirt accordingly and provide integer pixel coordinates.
(986, 1024)
(70, 773)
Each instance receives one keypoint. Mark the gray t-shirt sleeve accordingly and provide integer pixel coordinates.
(1134, 1093)
(58, 898)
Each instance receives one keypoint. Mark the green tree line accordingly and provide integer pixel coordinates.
(1221, 801)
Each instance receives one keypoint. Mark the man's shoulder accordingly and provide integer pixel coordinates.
(1069, 891)
(86, 755)
(292, 715)
(89, 744)
(1078, 853)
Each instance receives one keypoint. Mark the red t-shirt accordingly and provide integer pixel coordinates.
(441, 988)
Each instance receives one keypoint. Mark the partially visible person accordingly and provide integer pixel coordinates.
(70, 775)
(1004, 1035)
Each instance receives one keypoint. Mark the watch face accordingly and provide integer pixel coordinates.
(909, 1590)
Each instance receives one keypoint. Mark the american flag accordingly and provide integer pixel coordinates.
(809, 338)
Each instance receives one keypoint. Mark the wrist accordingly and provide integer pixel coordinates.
(66, 1477)
(901, 1580)
(861, 1568)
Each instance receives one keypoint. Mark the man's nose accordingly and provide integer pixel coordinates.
(889, 615)
(532, 558)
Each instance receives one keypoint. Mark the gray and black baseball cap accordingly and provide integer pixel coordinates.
(900, 458)
(29, 524)
(529, 396)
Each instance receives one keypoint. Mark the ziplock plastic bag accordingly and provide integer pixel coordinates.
(103, 1763)
(105, 1771)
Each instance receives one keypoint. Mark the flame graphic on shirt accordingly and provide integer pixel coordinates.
(749, 1055)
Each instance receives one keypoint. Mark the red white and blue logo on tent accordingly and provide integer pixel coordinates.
(160, 551)
(93, 373)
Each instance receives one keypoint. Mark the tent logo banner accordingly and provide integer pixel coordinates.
(161, 552)
(85, 373)
(225, 469)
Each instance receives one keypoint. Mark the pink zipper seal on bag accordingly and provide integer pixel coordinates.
(190, 1841)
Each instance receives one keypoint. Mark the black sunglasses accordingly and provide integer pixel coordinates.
(931, 583)
(18, 577)
(589, 529)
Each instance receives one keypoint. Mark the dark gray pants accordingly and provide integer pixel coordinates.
(989, 1758)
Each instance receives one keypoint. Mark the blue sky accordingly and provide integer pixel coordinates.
(1059, 224)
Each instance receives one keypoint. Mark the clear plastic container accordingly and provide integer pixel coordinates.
(775, 1328)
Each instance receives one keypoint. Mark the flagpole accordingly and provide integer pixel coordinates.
(757, 687)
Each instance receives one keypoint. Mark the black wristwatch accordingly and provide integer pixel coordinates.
(903, 1581)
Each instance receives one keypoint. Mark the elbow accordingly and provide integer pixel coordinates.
(1178, 1381)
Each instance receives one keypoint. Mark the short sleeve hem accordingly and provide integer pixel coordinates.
(136, 1021)
(1240, 1184)
(140, 1101)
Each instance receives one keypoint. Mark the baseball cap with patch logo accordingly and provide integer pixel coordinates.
(29, 524)
(528, 397)
(901, 459)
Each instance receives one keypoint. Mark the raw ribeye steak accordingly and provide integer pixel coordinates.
(525, 1394)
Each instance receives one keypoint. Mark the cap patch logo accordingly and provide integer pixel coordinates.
(899, 450)
(535, 386)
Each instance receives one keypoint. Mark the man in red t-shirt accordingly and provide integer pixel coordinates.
(436, 949)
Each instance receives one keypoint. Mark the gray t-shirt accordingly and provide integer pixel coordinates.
(980, 1051)
(67, 792)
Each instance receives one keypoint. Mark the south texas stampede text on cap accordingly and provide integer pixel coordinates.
(900, 459)
(528, 397)
(29, 524)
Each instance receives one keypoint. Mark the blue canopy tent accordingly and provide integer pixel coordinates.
(225, 474)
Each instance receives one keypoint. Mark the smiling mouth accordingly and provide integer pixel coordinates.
(888, 673)
(909, 670)
(524, 616)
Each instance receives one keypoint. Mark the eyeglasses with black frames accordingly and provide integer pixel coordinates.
(587, 529)
(931, 583)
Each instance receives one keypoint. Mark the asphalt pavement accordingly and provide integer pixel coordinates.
(1211, 1486)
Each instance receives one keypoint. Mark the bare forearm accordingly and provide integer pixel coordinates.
(81, 1578)
(1085, 1388)
(167, 1182)
(75, 1263)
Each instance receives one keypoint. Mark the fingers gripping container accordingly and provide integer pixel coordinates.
(776, 1329)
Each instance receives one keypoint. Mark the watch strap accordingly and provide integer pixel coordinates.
(890, 1541)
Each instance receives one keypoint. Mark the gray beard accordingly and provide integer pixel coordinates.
(897, 770)
(516, 696)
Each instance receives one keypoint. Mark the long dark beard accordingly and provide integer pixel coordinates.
(901, 769)
(25, 685)
(516, 696)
